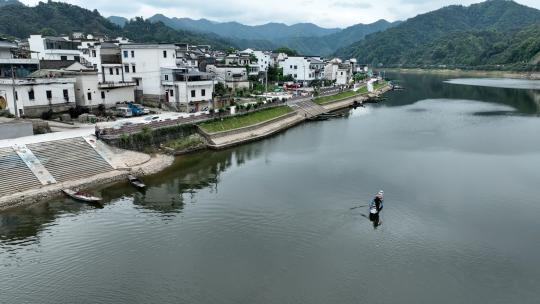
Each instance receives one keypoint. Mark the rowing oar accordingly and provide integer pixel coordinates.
(361, 206)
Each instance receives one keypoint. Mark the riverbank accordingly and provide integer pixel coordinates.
(471, 73)
(130, 163)
(127, 162)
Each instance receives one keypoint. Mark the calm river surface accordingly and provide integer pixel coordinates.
(271, 222)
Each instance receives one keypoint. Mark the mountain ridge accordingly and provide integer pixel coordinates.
(454, 35)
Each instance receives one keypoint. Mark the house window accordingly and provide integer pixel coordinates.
(117, 71)
(31, 95)
(171, 93)
(291, 67)
(93, 53)
(63, 58)
(296, 67)
(132, 54)
(192, 93)
(137, 82)
(295, 75)
(126, 68)
(102, 94)
(166, 77)
(111, 71)
(89, 95)
(66, 95)
(203, 92)
(49, 94)
(133, 69)
(125, 54)
(164, 54)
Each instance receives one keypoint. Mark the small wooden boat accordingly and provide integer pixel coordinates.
(137, 183)
(81, 196)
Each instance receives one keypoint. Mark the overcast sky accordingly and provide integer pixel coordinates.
(326, 13)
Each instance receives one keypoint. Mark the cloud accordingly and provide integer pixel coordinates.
(327, 13)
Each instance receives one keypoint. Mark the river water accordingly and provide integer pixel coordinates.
(275, 221)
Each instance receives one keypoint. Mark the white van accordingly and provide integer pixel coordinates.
(124, 112)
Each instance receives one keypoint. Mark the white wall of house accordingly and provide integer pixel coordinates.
(330, 71)
(298, 68)
(342, 76)
(144, 62)
(234, 77)
(263, 60)
(33, 92)
(111, 73)
(89, 94)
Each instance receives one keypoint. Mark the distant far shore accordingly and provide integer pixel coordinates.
(475, 73)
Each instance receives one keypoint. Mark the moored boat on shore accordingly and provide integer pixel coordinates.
(137, 183)
(81, 196)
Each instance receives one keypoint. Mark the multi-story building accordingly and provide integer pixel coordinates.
(234, 77)
(188, 90)
(303, 69)
(142, 63)
(21, 93)
(340, 72)
(53, 48)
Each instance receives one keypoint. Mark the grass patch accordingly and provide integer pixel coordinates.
(185, 142)
(235, 122)
(379, 84)
(330, 98)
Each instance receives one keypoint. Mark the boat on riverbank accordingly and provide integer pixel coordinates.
(137, 183)
(81, 196)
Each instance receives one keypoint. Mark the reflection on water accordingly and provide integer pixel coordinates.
(498, 83)
(418, 87)
(277, 221)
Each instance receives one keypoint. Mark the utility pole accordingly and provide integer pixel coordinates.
(266, 79)
(14, 93)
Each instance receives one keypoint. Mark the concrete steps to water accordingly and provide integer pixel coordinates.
(308, 108)
(15, 176)
(70, 159)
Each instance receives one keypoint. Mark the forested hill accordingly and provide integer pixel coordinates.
(53, 18)
(490, 33)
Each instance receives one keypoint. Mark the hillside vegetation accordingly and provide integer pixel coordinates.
(53, 18)
(492, 33)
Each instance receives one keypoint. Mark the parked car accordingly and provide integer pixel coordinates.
(137, 109)
(123, 112)
(150, 119)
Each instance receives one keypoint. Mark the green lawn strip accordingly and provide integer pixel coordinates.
(240, 121)
(342, 95)
(379, 84)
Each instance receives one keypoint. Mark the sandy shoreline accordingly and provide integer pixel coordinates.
(474, 73)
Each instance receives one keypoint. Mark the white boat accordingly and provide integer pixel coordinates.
(81, 196)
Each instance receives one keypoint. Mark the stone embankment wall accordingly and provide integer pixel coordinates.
(212, 136)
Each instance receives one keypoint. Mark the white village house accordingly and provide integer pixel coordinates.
(189, 90)
(25, 95)
(53, 48)
(303, 69)
(142, 63)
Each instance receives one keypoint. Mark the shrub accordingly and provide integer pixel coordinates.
(47, 115)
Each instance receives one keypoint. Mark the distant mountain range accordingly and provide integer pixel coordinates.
(495, 32)
(306, 38)
(491, 34)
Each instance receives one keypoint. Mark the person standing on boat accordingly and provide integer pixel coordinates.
(375, 208)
